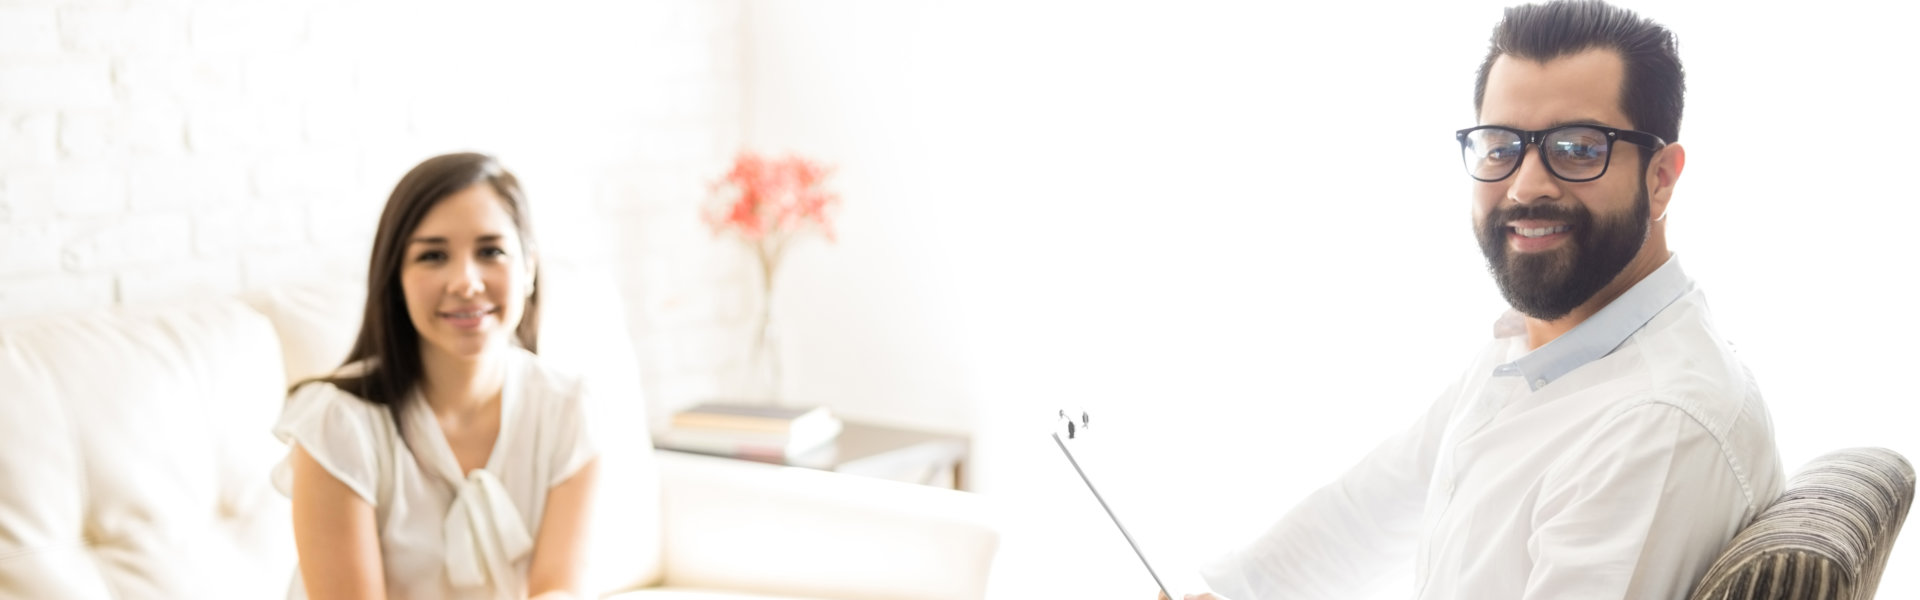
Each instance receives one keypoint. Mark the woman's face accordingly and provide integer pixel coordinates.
(465, 275)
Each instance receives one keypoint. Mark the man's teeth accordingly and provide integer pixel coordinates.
(1534, 232)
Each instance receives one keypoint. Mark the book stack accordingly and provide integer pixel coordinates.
(751, 431)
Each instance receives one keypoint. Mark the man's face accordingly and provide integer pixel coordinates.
(1551, 244)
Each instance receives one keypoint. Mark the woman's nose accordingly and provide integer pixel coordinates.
(466, 281)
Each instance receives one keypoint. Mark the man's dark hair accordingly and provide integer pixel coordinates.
(1652, 94)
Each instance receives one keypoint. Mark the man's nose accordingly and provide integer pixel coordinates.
(1533, 183)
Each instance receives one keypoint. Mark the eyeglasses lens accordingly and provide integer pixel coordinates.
(1573, 153)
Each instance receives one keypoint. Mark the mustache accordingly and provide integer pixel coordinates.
(1570, 213)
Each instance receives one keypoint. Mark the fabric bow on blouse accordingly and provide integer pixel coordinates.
(484, 533)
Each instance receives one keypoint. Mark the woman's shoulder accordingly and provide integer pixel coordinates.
(557, 406)
(331, 395)
(541, 377)
(347, 435)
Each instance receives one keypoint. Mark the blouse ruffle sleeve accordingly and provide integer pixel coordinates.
(339, 430)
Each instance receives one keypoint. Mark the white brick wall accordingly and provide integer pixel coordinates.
(161, 151)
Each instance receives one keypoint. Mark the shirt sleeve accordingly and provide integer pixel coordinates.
(339, 430)
(572, 443)
(1640, 512)
(1341, 540)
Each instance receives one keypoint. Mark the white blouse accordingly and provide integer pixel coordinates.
(444, 535)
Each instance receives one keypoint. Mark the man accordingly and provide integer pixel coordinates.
(1608, 442)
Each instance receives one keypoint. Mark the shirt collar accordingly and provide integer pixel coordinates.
(1600, 334)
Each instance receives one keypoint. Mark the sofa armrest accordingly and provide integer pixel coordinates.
(1828, 536)
(751, 527)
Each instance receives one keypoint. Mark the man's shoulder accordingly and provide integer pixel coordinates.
(1680, 363)
(1680, 359)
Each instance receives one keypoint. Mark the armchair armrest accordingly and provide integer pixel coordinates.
(751, 527)
(1828, 536)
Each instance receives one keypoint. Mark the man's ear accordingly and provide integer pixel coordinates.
(1663, 173)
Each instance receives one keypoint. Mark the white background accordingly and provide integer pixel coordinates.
(1238, 233)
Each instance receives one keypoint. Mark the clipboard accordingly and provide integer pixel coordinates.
(1173, 580)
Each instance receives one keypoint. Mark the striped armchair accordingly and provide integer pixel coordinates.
(1826, 538)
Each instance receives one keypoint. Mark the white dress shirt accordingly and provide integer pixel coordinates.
(1612, 462)
(445, 535)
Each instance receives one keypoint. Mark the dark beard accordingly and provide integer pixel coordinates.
(1548, 285)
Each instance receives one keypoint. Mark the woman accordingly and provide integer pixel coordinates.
(442, 460)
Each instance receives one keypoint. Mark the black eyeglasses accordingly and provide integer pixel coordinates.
(1574, 153)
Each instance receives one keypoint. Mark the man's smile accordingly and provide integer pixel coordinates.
(1536, 235)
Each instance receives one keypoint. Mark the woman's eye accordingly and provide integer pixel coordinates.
(492, 252)
(431, 256)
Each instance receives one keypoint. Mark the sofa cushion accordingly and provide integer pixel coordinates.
(583, 329)
(134, 456)
(791, 531)
(316, 324)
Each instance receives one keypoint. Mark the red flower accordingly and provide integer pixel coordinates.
(767, 201)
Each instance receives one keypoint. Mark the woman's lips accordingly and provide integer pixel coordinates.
(470, 318)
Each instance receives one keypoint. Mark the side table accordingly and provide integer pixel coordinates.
(885, 452)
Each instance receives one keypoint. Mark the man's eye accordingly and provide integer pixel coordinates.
(1502, 153)
(1579, 151)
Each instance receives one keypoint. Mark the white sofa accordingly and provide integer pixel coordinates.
(134, 454)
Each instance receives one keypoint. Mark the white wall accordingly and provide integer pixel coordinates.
(868, 323)
(165, 150)
(1238, 234)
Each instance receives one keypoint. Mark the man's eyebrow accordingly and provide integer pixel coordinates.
(1594, 122)
(1578, 122)
(491, 237)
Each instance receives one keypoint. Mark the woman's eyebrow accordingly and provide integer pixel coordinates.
(491, 237)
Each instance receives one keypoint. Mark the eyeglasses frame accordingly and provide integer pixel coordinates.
(1533, 138)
